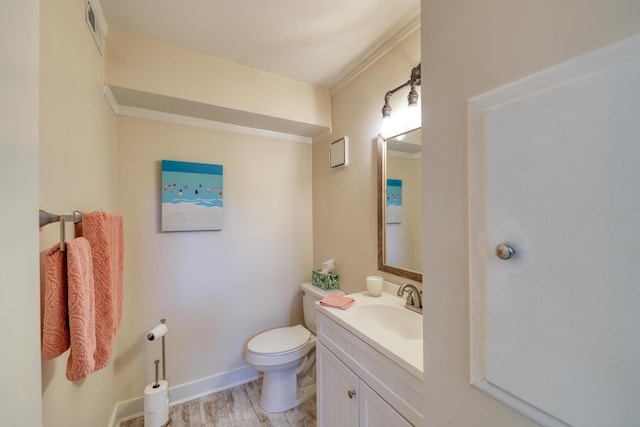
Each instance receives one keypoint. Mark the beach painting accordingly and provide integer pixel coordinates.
(394, 201)
(192, 196)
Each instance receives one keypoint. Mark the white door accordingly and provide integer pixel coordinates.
(562, 189)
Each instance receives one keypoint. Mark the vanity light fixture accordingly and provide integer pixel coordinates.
(414, 81)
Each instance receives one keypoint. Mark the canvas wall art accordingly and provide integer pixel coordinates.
(192, 196)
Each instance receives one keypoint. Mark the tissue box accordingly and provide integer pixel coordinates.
(326, 281)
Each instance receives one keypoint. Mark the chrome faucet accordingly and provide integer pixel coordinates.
(414, 299)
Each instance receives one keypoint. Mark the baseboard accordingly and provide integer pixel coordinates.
(134, 408)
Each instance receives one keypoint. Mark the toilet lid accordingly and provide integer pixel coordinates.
(279, 340)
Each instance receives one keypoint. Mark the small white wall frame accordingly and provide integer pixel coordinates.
(339, 153)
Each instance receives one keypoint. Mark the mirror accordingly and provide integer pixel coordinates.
(400, 204)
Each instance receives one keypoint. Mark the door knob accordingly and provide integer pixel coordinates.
(351, 393)
(505, 251)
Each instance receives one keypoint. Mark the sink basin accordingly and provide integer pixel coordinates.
(395, 320)
(385, 324)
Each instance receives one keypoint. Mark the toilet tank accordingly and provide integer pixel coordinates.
(311, 294)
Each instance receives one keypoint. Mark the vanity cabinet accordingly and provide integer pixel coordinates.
(359, 386)
(346, 400)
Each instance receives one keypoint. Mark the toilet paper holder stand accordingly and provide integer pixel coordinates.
(158, 332)
(151, 337)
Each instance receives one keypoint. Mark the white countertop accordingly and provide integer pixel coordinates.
(405, 352)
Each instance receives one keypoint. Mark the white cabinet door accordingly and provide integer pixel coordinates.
(337, 391)
(376, 412)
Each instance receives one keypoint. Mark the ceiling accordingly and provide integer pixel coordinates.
(407, 143)
(321, 42)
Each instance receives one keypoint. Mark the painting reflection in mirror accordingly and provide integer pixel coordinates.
(394, 201)
(400, 205)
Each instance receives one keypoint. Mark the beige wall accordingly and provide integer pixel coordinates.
(215, 288)
(77, 167)
(21, 403)
(151, 66)
(469, 47)
(226, 286)
(344, 200)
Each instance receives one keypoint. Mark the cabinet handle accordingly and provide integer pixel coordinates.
(351, 393)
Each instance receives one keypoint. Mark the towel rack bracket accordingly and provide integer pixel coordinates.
(49, 218)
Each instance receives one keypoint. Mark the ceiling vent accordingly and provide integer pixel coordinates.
(94, 26)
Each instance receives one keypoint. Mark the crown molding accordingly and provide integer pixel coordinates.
(371, 56)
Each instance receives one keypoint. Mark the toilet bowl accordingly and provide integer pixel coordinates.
(286, 356)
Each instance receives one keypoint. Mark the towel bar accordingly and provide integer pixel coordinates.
(48, 218)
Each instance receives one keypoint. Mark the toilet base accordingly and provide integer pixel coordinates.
(285, 389)
(280, 393)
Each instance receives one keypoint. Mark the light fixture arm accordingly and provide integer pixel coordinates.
(415, 80)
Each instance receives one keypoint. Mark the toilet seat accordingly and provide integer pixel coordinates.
(290, 344)
(279, 340)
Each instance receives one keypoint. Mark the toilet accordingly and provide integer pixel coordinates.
(287, 357)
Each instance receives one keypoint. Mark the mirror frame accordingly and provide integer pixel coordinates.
(382, 196)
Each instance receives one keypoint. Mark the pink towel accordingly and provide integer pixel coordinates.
(81, 309)
(105, 235)
(55, 329)
(337, 301)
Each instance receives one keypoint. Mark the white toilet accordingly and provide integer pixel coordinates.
(287, 356)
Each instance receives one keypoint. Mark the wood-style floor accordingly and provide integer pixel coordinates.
(235, 407)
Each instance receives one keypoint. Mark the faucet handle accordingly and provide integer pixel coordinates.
(410, 296)
(405, 287)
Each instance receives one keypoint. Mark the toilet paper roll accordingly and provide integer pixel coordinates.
(156, 398)
(157, 332)
(156, 418)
